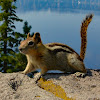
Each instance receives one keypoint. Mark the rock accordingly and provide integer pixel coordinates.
(17, 86)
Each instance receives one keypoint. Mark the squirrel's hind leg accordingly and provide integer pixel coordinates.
(80, 74)
(76, 63)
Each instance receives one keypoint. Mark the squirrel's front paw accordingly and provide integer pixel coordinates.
(37, 76)
(21, 72)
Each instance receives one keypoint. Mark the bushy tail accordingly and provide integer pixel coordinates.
(83, 32)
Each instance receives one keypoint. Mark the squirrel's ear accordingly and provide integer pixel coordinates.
(28, 35)
(37, 37)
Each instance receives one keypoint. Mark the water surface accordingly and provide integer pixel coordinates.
(60, 20)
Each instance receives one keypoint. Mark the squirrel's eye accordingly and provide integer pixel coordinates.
(31, 43)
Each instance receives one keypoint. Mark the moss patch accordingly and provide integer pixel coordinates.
(57, 90)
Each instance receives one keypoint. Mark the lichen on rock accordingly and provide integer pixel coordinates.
(57, 90)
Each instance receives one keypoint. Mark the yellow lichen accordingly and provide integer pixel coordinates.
(57, 90)
(37, 96)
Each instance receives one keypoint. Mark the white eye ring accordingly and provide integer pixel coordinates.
(31, 43)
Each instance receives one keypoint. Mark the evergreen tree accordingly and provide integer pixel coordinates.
(27, 28)
(9, 39)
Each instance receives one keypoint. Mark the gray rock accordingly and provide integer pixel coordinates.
(17, 86)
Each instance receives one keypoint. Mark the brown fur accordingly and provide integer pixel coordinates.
(83, 32)
(53, 56)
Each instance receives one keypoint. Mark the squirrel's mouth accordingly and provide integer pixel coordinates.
(22, 51)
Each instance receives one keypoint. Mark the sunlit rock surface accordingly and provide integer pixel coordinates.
(16, 86)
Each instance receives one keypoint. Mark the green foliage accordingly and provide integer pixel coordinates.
(10, 58)
(9, 39)
(21, 62)
(26, 28)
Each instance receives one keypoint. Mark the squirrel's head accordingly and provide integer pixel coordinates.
(31, 43)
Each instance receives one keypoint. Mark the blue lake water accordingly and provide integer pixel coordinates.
(60, 20)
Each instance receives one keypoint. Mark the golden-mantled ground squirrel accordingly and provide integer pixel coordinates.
(54, 56)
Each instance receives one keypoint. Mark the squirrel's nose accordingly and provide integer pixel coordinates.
(20, 49)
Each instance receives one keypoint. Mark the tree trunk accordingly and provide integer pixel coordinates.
(5, 53)
(5, 62)
(5, 44)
